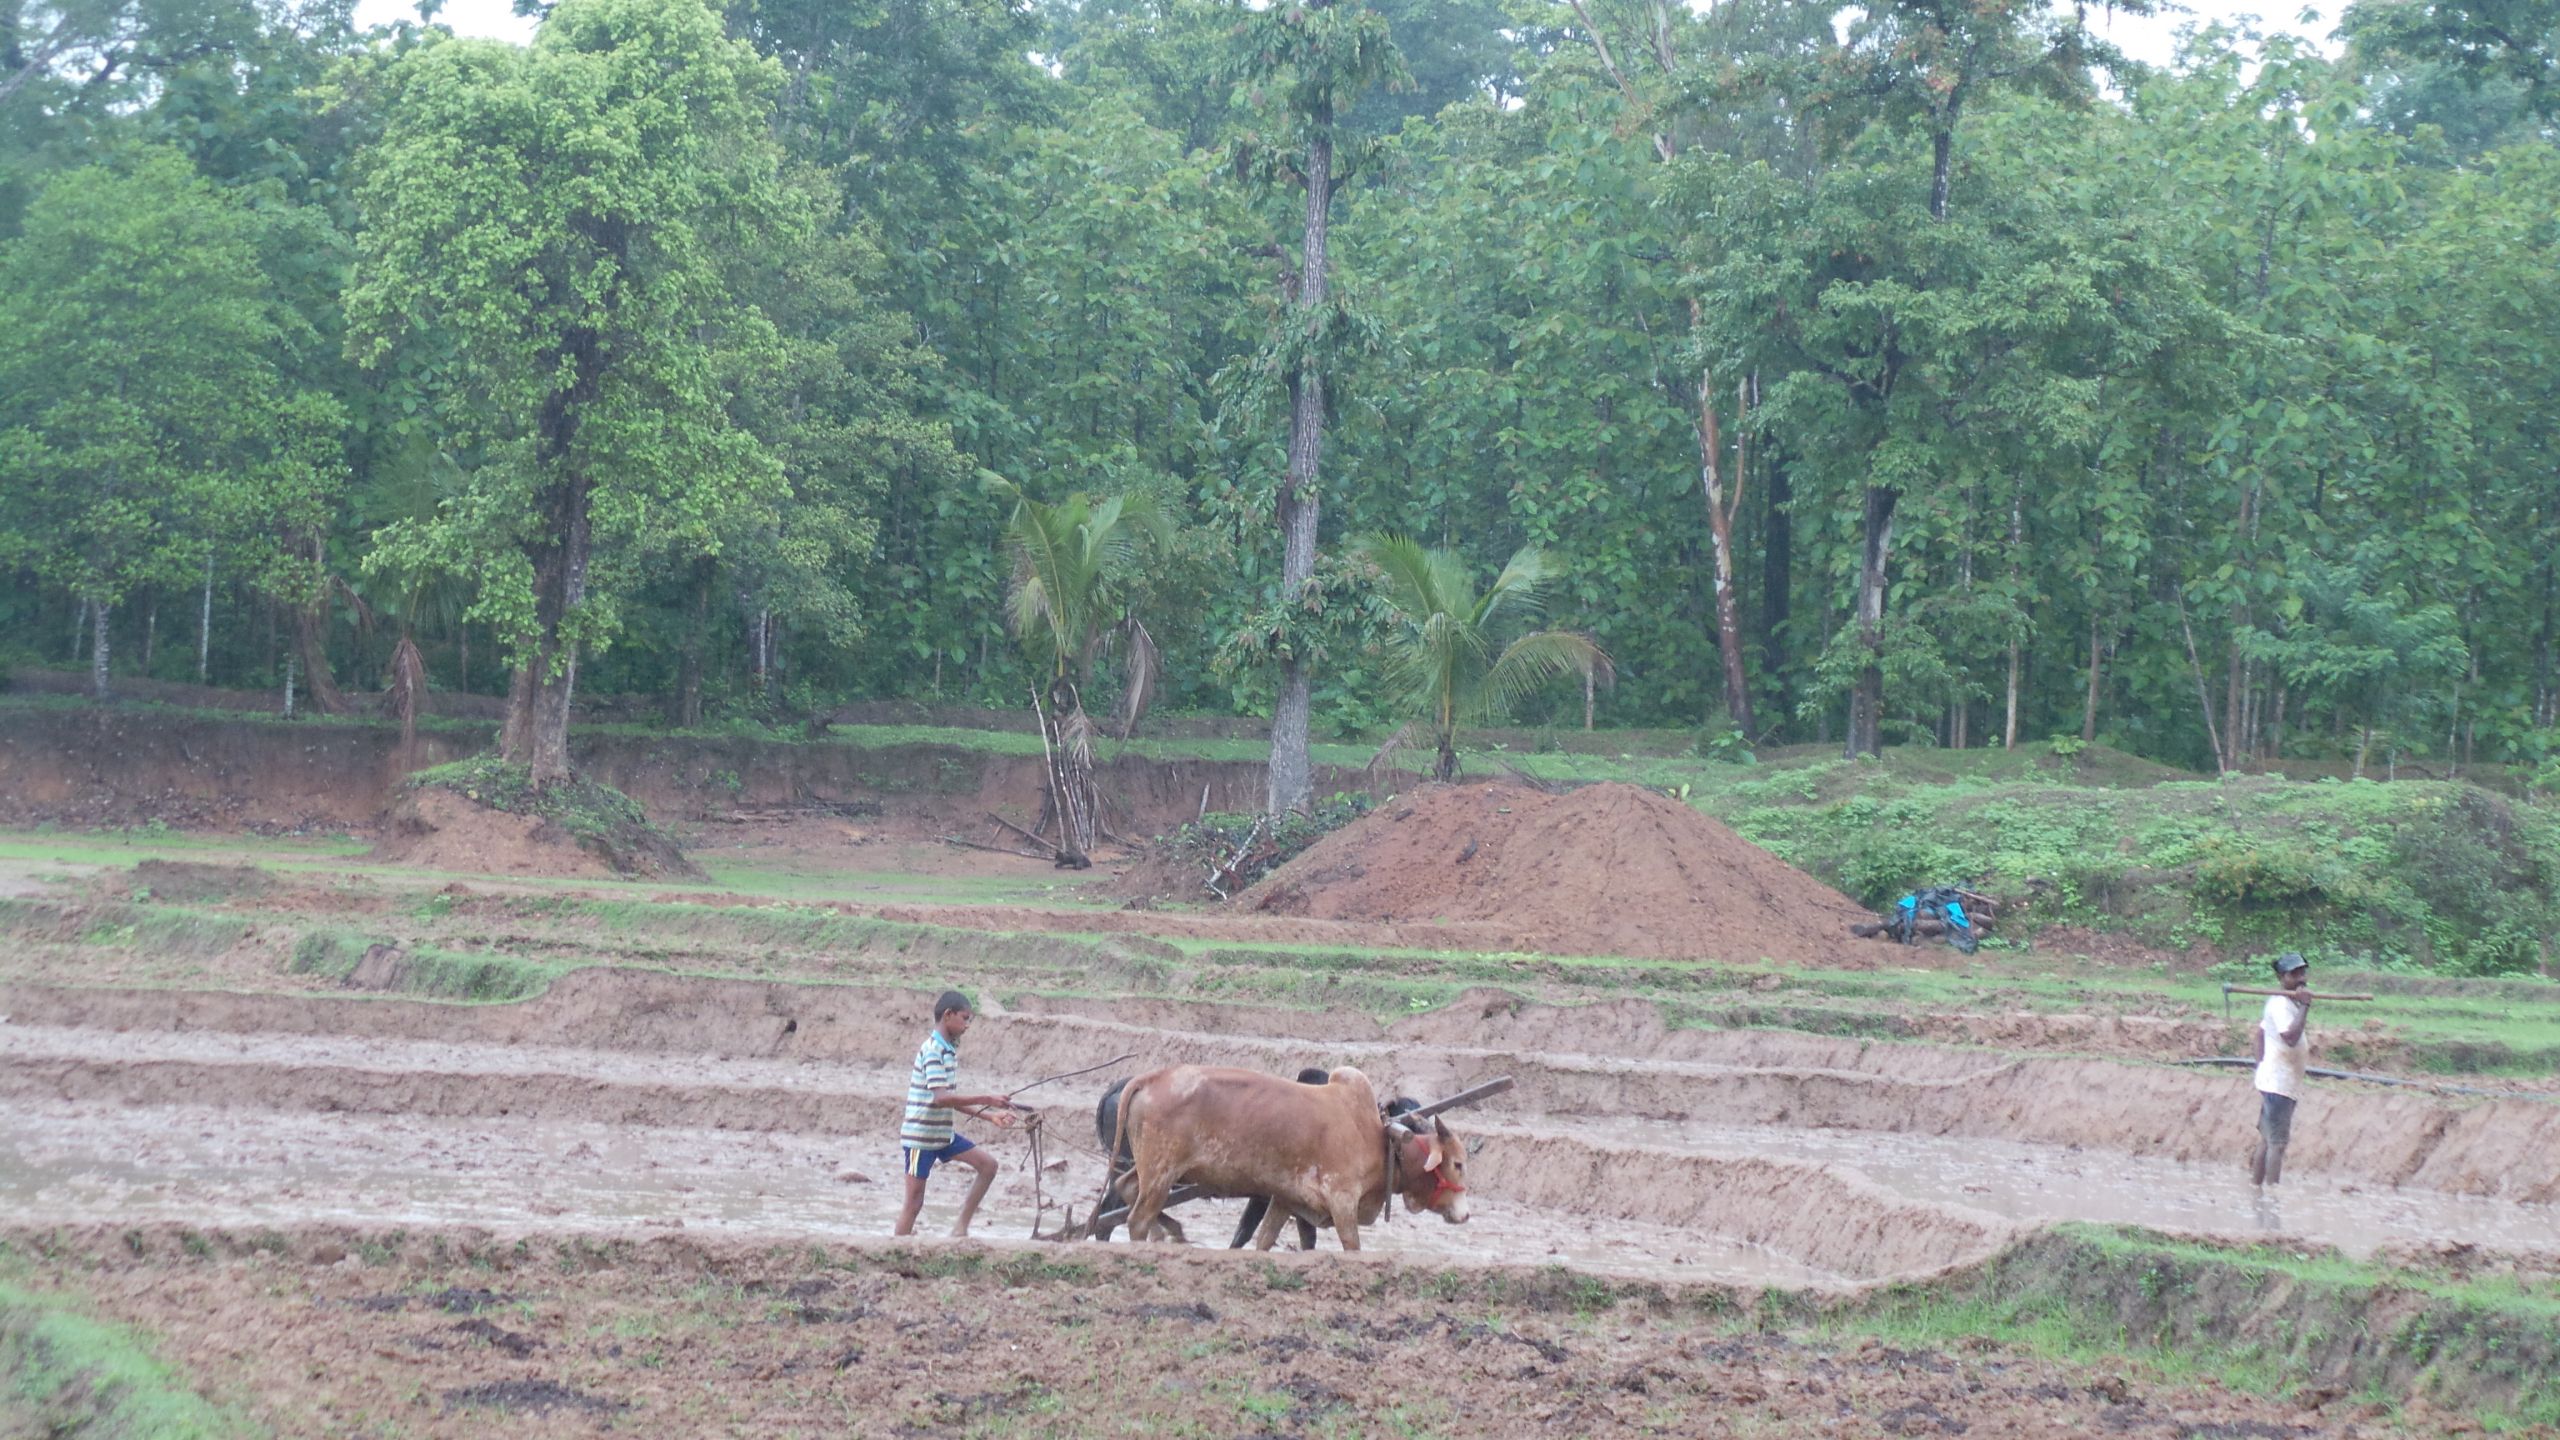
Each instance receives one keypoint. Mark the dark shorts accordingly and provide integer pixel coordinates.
(2275, 1118)
(920, 1163)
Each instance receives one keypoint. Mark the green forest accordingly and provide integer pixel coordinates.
(1916, 373)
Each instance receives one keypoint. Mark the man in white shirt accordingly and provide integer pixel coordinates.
(2283, 1057)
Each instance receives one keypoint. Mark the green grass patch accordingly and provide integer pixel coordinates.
(423, 970)
(65, 1373)
(2256, 1317)
(167, 930)
(118, 848)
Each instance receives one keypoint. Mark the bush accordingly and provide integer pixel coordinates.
(2246, 875)
(2486, 885)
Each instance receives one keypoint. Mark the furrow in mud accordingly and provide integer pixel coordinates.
(2508, 1149)
(1824, 1215)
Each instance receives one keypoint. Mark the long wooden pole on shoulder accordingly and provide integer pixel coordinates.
(2290, 994)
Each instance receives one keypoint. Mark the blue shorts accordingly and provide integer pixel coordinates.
(920, 1163)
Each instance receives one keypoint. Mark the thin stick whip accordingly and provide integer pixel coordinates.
(1069, 1075)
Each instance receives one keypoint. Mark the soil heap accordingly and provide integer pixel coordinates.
(484, 816)
(1606, 869)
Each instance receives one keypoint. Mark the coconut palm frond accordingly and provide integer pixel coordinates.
(1519, 590)
(1447, 660)
(1402, 740)
(1413, 582)
(408, 687)
(1535, 660)
(1140, 691)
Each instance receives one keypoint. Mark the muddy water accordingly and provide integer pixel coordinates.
(2036, 1184)
(64, 1162)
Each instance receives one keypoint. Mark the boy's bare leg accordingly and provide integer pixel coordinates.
(914, 1205)
(985, 1165)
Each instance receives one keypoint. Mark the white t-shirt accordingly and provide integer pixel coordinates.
(2280, 1072)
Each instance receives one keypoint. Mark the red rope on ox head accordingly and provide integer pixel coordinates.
(1438, 1175)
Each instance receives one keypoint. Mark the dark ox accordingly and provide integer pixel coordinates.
(1318, 1151)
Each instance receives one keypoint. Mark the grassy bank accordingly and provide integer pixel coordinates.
(2274, 1320)
(63, 1373)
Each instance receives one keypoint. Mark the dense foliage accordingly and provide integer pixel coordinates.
(1913, 371)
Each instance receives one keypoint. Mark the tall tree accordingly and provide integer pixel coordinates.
(1315, 59)
(1915, 69)
(572, 214)
(146, 423)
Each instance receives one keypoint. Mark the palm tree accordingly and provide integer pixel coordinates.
(1448, 654)
(1075, 564)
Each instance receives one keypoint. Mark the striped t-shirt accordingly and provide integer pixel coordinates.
(928, 1125)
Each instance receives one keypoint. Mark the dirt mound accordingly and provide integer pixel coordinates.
(439, 830)
(1602, 870)
(487, 816)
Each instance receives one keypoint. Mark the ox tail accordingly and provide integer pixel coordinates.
(1123, 1136)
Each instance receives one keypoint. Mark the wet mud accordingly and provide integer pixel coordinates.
(623, 1101)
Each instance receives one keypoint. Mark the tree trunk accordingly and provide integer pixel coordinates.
(2204, 701)
(98, 613)
(312, 645)
(1866, 702)
(1941, 168)
(688, 706)
(1066, 744)
(204, 627)
(551, 681)
(150, 635)
(408, 690)
(79, 627)
(1720, 513)
(2017, 648)
(1777, 572)
(2089, 708)
(515, 732)
(2235, 686)
(1292, 774)
(2546, 694)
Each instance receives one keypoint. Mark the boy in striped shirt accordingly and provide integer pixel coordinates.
(926, 1137)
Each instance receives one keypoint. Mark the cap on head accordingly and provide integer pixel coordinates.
(2290, 961)
(951, 1000)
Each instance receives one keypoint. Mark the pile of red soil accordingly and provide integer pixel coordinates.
(1601, 870)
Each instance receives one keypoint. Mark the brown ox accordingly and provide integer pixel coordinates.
(1318, 1150)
